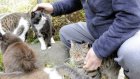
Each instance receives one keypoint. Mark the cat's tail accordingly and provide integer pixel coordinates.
(71, 73)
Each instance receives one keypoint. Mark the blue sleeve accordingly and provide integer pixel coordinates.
(126, 23)
(66, 6)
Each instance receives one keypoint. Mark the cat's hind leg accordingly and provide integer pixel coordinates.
(49, 44)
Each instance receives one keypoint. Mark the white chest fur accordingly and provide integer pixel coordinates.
(41, 23)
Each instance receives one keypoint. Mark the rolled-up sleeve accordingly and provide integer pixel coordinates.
(66, 6)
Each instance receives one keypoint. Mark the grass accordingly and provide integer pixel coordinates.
(1, 64)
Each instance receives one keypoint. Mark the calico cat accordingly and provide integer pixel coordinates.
(109, 68)
(43, 28)
(16, 23)
(20, 61)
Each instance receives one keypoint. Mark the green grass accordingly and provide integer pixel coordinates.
(1, 64)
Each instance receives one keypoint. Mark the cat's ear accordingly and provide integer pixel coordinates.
(32, 14)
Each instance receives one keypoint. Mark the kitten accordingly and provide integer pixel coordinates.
(16, 23)
(20, 61)
(43, 28)
(109, 67)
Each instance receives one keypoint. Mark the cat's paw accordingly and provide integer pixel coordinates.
(52, 40)
(43, 48)
(49, 47)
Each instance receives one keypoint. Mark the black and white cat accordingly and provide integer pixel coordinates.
(43, 28)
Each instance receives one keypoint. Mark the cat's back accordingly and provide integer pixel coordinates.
(19, 51)
(23, 57)
(11, 21)
(18, 46)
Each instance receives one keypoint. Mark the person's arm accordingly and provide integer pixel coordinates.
(66, 6)
(126, 23)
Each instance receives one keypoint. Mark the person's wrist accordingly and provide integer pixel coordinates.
(49, 9)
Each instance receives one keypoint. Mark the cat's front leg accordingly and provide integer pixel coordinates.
(22, 37)
(121, 74)
(23, 23)
(42, 42)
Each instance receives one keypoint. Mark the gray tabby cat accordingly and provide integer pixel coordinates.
(16, 23)
(72, 73)
(109, 68)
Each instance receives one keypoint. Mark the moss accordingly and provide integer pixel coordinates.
(1, 64)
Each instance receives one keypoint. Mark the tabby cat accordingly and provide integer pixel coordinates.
(66, 70)
(16, 23)
(109, 68)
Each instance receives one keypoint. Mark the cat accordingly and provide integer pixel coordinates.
(43, 28)
(20, 61)
(109, 68)
(16, 23)
(66, 70)
(19, 23)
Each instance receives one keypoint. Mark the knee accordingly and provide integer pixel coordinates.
(64, 30)
(64, 34)
(130, 46)
(129, 53)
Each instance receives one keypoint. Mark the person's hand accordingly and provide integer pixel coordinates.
(92, 62)
(44, 6)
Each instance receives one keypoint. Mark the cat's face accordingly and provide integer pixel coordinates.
(78, 52)
(37, 17)
(9, 38)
